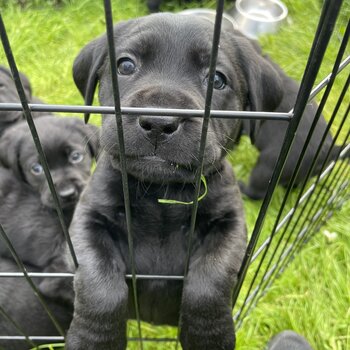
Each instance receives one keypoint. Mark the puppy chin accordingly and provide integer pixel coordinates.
(156, 170)
(48, 202)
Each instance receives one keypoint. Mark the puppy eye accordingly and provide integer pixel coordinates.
(76, 157)
(219, 81)
(36, 169)
(126, 66)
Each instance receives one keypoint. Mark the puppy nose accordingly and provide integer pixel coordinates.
(159, 128)
(68, 192)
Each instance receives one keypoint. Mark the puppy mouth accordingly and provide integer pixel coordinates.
(157, 169)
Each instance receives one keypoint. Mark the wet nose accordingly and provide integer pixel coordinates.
(160, 128)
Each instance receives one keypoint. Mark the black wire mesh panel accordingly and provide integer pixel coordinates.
(266, 258)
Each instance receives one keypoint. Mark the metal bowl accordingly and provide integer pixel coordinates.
(256, 17)
(228, 23)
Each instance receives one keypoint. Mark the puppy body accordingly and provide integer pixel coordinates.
(268, 138)
(8, 94)
(29, 219)
(160, 243)
(20, 303)
(163, 62)
(25, 192)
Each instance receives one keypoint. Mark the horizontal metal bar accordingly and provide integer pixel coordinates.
(58, 338)
(292, 210)
(71, 275)
(135, 111)
(326, 80)
(33, 337)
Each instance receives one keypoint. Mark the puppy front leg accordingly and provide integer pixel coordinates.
(206, 318)
(100, 307)
(206, 315)
(259, 177)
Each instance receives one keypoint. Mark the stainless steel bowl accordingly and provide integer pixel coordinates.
(256, 17)
(228, 23)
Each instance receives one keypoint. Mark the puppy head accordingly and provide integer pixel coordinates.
(8, 93)
(69, 147)
(163, 61)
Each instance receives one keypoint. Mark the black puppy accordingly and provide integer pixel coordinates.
(20, 303)
(27, 211)
(163, 61)
(69, 147)
(8, 93)
(268, 137)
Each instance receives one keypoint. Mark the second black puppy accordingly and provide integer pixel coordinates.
(163, 61)
(27, 210)
(29, 218)
(268, 137)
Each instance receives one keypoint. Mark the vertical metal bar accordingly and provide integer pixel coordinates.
(324, 31)
(29, 280)
(286, 259)
(16, 325)
(266, 282)
(204, 132)
(119, 121)
(301, 157)
(29, 118)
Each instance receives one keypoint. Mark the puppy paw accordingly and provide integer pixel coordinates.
(249, 192)
(208, 333)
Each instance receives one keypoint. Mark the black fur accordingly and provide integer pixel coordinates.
(20, 303)
(8, 94)
(28, 216)
(268, 137)
(171, 54)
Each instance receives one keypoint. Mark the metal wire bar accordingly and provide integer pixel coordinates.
(291, 211)
(284, 255)
(60, 338)
(253, 297)
(120, 136)
(168, 112)
(204, 132)
(319, 201)
(326, 80)
(29, 119)
(287, 258)
(31, 337)
(301, 212)
(17, 326)
(71, 275)
(136, 111)
(323, 34)
(29, 280)
(298, 165)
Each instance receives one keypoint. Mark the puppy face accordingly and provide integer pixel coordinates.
(69, 146)
(8, 93)
(163, 61)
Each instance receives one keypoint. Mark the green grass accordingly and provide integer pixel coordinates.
(312, 295)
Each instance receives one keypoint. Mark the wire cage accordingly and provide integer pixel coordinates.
(298, 219)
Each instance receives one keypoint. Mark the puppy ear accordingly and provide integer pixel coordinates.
(25, 81)
(85, 69)
(26, 85)
(264, 84)
(10, 146)
(89, 132)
